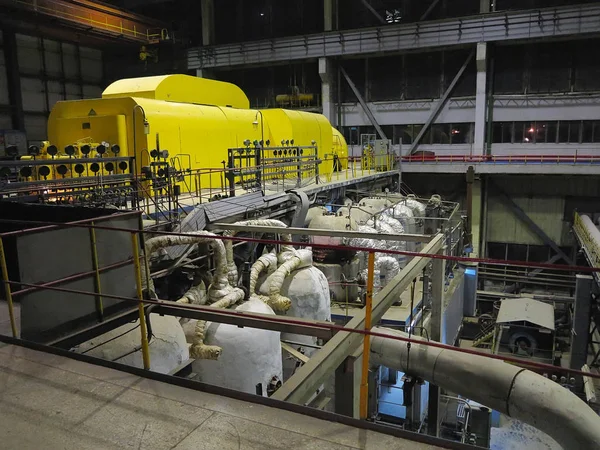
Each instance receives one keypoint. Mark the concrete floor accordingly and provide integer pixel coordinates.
(52, 402)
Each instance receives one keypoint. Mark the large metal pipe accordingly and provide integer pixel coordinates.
(511, 390)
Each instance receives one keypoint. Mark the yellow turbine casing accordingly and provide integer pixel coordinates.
(193, 118)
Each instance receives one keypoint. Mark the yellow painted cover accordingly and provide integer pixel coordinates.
(199, 135)
(181, 89)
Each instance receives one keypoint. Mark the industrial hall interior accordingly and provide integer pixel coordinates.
(300, 224)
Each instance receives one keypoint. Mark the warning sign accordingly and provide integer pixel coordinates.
(92, 112)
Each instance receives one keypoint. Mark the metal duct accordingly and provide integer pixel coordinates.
(516, 392)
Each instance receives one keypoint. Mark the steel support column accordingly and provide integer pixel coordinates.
(328, 15)
(363, 104)
(428, 10)
(581, 322)
(480, 100)
(13, 79)
(327, 89)
(302, 385)
(435, 334)
(207, 11)
(438, 106)
(374, 11)
(522, 215)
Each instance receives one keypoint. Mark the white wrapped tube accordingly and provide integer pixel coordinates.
(232, 272)
(302, 258)
(220, 293)
(266, 262)
(198, 349)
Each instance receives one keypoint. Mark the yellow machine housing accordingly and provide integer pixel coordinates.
(195, 119)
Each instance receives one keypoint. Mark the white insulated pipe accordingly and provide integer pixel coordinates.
(591, 228)
(300, 259)
(220, 294)
(516, 392)
(231, 267)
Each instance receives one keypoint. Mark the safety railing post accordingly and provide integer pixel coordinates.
(96, 267)
(7, 290)
(364, 383)
(138, 281)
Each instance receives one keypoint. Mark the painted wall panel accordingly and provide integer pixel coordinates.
(32, 91)
(28, 54)
(36, 127)
(4, 99)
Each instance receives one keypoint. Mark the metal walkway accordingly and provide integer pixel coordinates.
(53, 402)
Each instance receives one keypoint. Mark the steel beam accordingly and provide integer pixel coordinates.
(317, 232)
(438, 107)
(302, 385)
(522, 215)
(284, 324)
(435, 334)
(374, 11)
(581, 323)
(565, 22)
(363, 104)
(428, 10)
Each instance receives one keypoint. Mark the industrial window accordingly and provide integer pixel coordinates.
(569, 131)
(404, 133)
(502, 133)
(440, 133)
(529, 132)
(587, 132)
(551, 129)
(597, 131)
(460, 133)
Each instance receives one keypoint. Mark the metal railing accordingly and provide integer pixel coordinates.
(502, 159)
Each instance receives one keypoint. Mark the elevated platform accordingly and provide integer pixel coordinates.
(530, 167)
(53, 402)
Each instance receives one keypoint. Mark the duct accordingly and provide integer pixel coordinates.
(302, 258)
(232, 273)
(516, 392)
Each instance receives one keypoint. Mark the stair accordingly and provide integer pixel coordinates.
(483, 339)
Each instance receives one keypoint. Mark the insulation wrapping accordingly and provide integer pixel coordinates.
(405, 216)
(250, 356)
(266, 262)
(220, 293)
(195, 295)
(388, 267)
(168, 347)
(232, 272)
(302, 258)
(417, 207)
(314, 212)
(384, 223)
